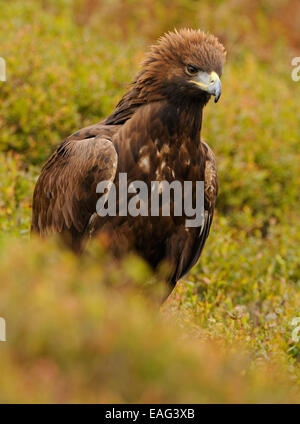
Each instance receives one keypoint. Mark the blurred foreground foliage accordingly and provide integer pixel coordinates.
(83, 330)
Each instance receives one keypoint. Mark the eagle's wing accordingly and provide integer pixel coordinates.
(193, 251)
(65, 194)
(210, 196)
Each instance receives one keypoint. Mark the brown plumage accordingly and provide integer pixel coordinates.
(153, 134)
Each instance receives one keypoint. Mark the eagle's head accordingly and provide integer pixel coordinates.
(184, 64)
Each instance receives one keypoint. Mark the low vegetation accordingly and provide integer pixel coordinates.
(91, 330)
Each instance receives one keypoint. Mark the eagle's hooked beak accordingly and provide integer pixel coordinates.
(210, 83)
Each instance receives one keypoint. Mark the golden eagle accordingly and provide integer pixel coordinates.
(153, 134)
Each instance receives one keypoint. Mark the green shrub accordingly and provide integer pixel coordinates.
(83, 331)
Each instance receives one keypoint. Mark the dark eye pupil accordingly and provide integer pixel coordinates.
(192, 69)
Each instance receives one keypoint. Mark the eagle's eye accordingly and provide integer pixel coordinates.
(191, 70)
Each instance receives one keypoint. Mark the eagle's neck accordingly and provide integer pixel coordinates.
(136, 97)
(189, 115)
(182, 114)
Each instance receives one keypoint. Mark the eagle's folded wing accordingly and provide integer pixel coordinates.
(210, 196)
(65, 194)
